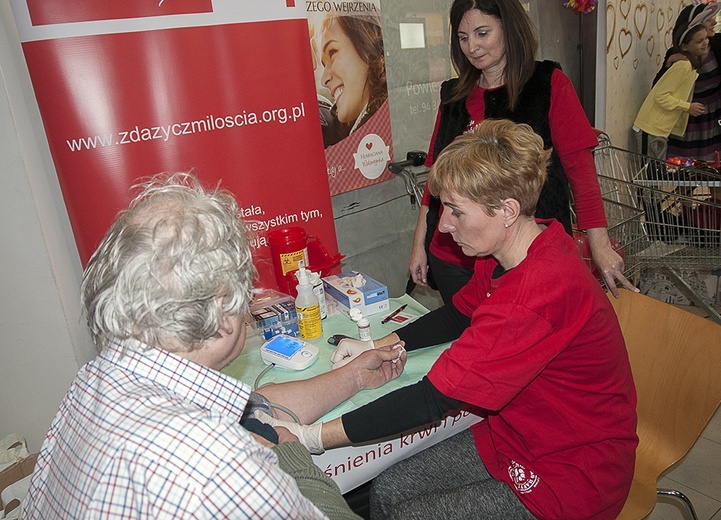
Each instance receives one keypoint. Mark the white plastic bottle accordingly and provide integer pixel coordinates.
(364, 329)
(307, 307)
(319, 292)
(364, 326)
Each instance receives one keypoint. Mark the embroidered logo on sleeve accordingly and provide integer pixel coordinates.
(523, 479)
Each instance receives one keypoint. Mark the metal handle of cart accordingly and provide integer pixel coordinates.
(662, 215)
(404, 170)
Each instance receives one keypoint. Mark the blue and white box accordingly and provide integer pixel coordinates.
(274, 313)
(353, 289)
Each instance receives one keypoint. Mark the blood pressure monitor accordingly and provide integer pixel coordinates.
(288, 352)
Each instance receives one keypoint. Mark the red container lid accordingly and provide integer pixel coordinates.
(289, 235)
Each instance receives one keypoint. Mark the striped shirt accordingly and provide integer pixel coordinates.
(702, 139)
(143, 433)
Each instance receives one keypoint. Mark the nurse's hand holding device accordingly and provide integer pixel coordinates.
(288, 352)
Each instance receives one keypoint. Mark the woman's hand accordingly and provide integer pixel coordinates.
(418, 264)
(609, 262)
(308, 435)
(696, 109)
(677, 56)
(347, 350)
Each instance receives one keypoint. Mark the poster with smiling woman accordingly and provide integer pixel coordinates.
(346, 41)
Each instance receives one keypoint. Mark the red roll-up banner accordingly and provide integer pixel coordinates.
(224, 88)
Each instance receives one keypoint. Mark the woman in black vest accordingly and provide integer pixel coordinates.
(493, 48)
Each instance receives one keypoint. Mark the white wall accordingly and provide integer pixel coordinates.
(43, 339)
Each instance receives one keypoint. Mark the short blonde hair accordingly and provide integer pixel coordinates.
(498, 160)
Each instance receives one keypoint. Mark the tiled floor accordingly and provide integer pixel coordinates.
(698, 476)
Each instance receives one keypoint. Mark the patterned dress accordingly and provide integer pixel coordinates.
(703, 133)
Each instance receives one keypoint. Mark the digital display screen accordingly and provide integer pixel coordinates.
(284, 346)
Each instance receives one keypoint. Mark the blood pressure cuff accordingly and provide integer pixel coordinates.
(266, 431)
(258, 402)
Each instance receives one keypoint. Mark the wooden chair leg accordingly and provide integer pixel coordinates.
(679, 496)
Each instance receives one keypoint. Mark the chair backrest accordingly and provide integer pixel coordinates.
(676, 362)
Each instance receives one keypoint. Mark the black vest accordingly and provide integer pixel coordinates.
(532, 108)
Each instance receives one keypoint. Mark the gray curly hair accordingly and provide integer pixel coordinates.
(171, 267)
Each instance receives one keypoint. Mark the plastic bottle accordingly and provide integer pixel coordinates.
(364, 326)
(364, 329)
(307, 307)
(319, 292)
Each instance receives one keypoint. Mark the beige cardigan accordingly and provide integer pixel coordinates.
(665, 110)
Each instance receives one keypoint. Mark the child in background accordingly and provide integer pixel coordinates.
(703, 133)
(667, 107)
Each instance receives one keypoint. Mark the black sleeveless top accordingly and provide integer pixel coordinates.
(532, 108)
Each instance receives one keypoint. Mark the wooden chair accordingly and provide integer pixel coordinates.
(676, 360)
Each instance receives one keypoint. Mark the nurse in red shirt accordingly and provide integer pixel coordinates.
(536, 349)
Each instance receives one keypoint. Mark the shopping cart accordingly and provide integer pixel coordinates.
(661, 215)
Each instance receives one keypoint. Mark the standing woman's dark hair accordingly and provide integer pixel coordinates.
(520, 39)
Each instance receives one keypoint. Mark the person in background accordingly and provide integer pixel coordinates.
(703, 132)
(150, 428)
(354, 68)
(536, 348)
(667, 107)
(493, 49)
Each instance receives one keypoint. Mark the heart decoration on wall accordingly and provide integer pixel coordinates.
(650, 45)
(625, 5)
(640, 17)
(660, 20)
(625, 40)
(610, 22)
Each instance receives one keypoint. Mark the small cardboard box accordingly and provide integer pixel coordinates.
(371, 297)
(273, 313)
(12, 474)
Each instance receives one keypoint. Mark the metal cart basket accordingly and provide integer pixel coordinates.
(661, 215)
